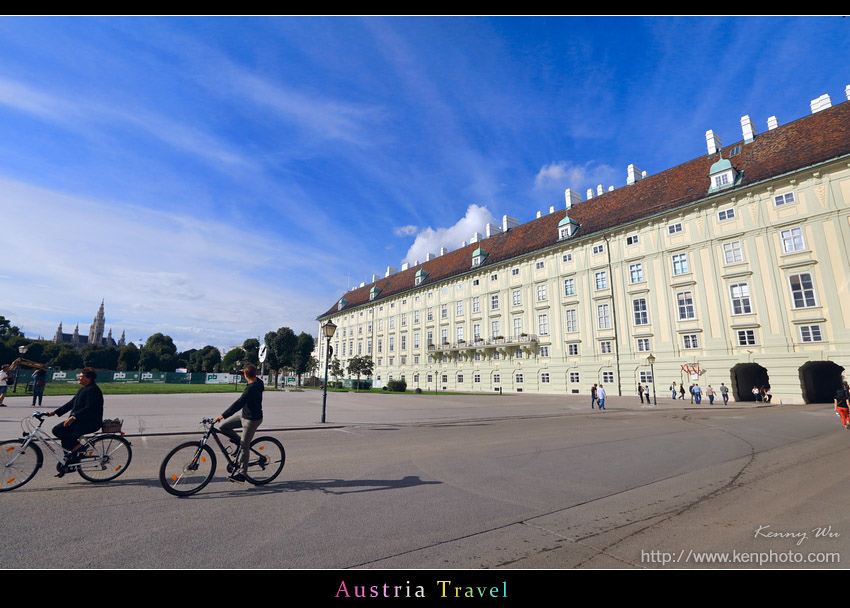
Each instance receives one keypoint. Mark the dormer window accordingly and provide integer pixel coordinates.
(567, 228)
(421, 275)
(374, 292)
(478, 257)
(723, 175)
(341, 304)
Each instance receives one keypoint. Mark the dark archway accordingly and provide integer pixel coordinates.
(820, 380)
(744, 377)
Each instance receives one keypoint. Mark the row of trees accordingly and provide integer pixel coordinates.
(286, 353)
(358, 366)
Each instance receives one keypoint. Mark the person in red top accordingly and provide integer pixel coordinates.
(841, 407)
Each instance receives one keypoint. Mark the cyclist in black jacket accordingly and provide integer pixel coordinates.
(86, 412)
(250, 417)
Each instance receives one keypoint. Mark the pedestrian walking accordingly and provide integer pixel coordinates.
(682, 391)
(724, 392)
(593, 396)
(640, 393)
(691, 391)
(697, 393)
(674, 389)
(600, 395)
(710, 392)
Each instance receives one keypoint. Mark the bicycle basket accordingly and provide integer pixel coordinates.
(112, 426)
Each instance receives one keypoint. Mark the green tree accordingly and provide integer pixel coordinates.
(234, 355)
(301, 356)
(205, 359)
(360, 366)
(128, 358)
(335, 369)
(68, 358)
(251, 346)
(7, 330)
(281, 349)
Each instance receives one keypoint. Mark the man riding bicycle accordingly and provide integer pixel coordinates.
(86, 409)
(250, 418)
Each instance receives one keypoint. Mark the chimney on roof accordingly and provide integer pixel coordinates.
(634, 175)
(463, 244)
(509, 222)
(443, 251)
(539, 214)
(772, 123)
(416, 263)
(362, 284)
(429, 256)
(748, 128)
(476, 236)
(572, 198)
(391, 270)
(847, 91)
(600, 190)
(375, 277)
(551, 208)
(713, 142)
(610, 188)
(492, 230)
(821, 103)
(589, 193)
(405, 266)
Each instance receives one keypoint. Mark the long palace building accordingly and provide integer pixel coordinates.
(730, 268)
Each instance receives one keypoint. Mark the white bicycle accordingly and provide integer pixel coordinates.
(105, 455)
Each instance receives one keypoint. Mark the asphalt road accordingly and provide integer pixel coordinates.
(468, 482)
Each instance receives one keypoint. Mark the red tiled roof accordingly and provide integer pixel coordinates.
(805, 142)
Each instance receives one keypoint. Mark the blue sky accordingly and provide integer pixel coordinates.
(218, 178)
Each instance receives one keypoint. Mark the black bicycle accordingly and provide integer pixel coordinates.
(189, 467)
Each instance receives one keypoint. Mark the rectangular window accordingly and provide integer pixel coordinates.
(392, 344)
(416, 340)
(538, 266)
(494, 277)
(514, 272)
(732, 252)
(476, 331)
(605, 347)
(746, 337)
(690, 341)
(574, 378)
(415, 317)
(496, 378)
(802, 290)
(792, 240)
(608, 377)
(380, 345)
(476, 304)
(476, 378)
(569, 287)
(571, 317)
(680, 263)
(674, 228)
(459, 309)
(811, 333)
(601, 280)
(541, 293)
(494, 329)
(392, 322)
(640, 310)
(517, 295)
(475, 282)
(636, 273)
(784, 199)
(403, 342)
(572, 349)
(544, 378)
(646, 378)
(568, 257)
(603, 314)
(494, 302)
(519, 378)
(726, 214)
(444, 311)
(460, 378)
(598, 249)
(740, 293)
(430, 315)
(632, 240)
(685, 300)
(543, 324)
(403, 320)
(544, 351)
(643, 345)
(517, 326)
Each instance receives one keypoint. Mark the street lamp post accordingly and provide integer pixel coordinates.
(651, 360)
(328, 330)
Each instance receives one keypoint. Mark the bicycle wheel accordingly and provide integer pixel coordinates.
(18, 466)
(187, 469)
(266, 461)
(105, 458)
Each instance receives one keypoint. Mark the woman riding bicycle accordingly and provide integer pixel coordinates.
(86, 414)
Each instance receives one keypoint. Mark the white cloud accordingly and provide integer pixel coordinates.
(564, 174)
(405, 230)
(430, 240)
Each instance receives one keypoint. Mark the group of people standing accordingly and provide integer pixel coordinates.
(37, 382)
(696, 392)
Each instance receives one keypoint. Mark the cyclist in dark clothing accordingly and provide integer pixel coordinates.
(86, 412)
(250, 408)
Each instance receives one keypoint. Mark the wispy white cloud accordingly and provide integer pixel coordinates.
(430, 240)
(405, 230)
